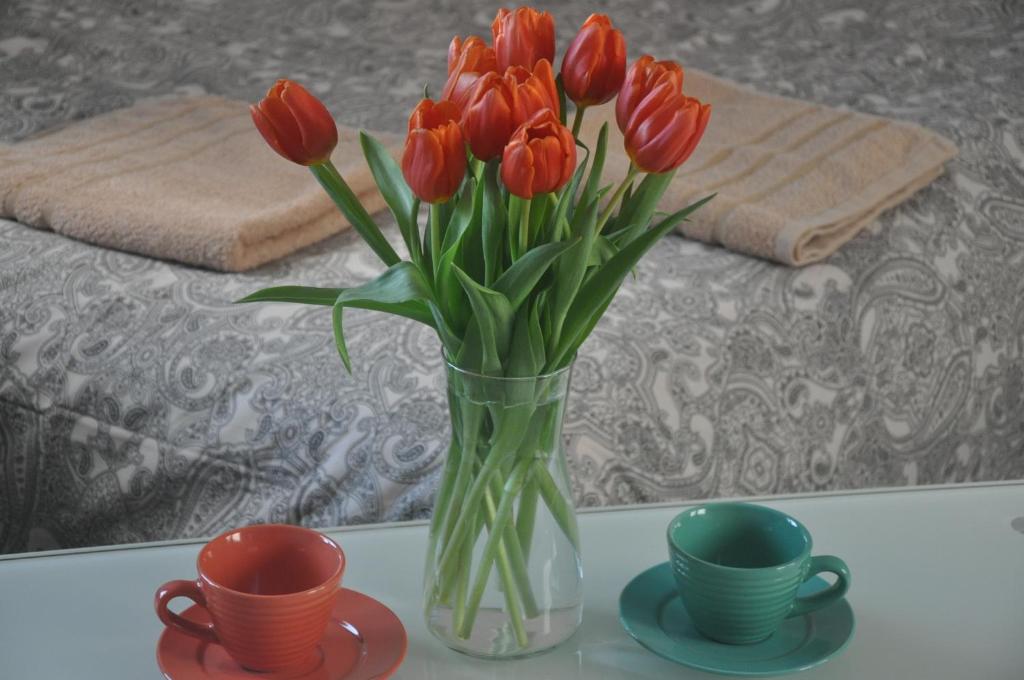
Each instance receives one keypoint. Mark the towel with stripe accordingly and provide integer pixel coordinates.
(190, 180)
(795, 180)
(185, 179)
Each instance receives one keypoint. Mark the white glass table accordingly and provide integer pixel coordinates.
(938, 592)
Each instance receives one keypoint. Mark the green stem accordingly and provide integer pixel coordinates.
(577, 121)
(556, 503)
(508, 582)
(512, 489)
(435, 238)
(462, 583)
(524, 227)
(441, 504)
(336, 187)
(526, 519)
(471, 417)
(450, 577)
(469, 506)
(527, 516)
(415, 248)
(516, 560)
(617, 196)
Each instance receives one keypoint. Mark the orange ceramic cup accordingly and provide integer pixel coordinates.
(269, 589)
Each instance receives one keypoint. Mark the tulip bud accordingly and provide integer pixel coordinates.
(523, 37)
(295, 124)
(645, 75)
(467, 61)
(500, 104)
(664, 129)
(540, 157)
(595, 63)
(434, 160)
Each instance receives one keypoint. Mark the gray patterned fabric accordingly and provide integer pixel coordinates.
(137, 403)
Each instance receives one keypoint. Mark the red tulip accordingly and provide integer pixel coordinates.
(523, 37)
(534, 90)
(295, 124)
(434, 160)
(664, 129)
(467, 61)
(540, 157)
(500, 104)
(645, 75)
(595, 63)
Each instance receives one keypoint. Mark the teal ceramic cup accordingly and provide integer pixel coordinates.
(738, 567)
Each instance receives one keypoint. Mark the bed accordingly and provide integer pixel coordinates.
(138, 403)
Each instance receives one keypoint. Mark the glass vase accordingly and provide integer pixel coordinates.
(503, 576)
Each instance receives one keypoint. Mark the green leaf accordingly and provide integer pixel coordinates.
(392, 187)
(539, 209)
(526, 358)
(400, 283)
(518, 281)
(462, 218)
(308, 295)
(415, 246)
(515, 211)
(597, 293)
(339, 336)
(537, 335)
(493, 317)
(452, 343)
(400, 290)
(635, 214)
(568, 208)
(470, 248)
(565, 202)
(602, 251)
(596, 168)
(571, 268)
(449, 292)
(492, 224)
(336, 187)
(416, 310)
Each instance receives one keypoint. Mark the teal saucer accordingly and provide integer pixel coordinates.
(651, 612)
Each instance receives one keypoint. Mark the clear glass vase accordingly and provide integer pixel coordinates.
(503, 576)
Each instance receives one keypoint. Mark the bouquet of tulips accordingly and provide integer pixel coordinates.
(523, 249)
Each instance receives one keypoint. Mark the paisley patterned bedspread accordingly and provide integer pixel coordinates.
(137, 403)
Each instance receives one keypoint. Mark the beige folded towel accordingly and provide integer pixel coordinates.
(795, 180)
(191, 180)
(186, 179)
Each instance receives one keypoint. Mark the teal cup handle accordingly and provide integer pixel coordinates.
(819, 564)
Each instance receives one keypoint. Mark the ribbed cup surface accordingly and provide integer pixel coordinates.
(270, 632)
(737, 606)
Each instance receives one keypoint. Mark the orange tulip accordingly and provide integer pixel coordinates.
(595, 63)
(295, 124)
(664, 129)
(434, 160)
(645, 75)
(500, 104)
(540, 157)
(467, 61)
(523, 37)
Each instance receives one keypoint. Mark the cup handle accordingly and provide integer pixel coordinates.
(191, 590)
(820, 563)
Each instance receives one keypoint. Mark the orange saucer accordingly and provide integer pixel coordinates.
(364, 640)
